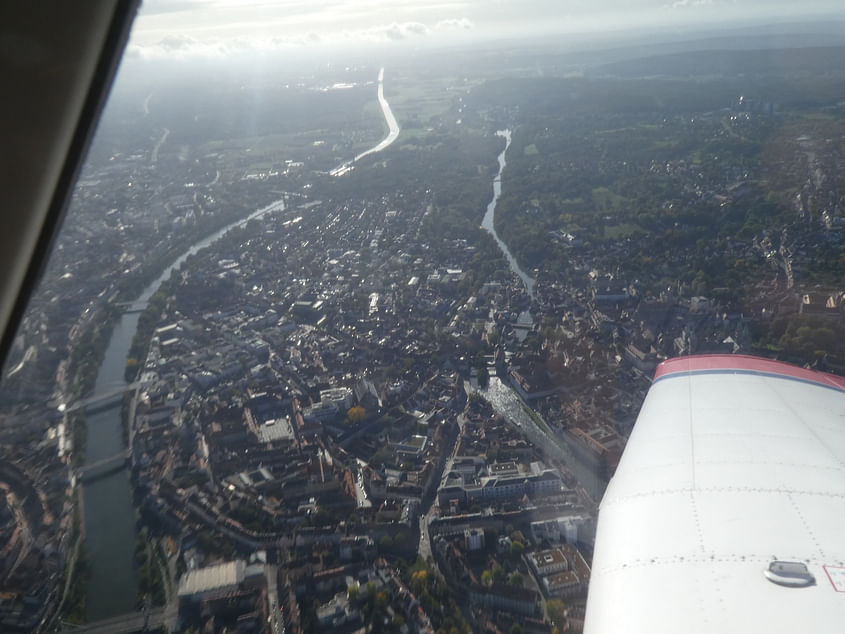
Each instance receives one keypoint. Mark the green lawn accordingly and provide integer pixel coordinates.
(604, 199)
(622, 230)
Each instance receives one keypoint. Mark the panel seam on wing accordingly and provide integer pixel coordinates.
(737, 489)
(697, 521)
(709, 560)
(806, 525)
(691, 430)
(809, 428)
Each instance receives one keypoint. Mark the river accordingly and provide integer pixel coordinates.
(489, 215)
(109, 514)
(501, 396)
(392, 125)
(392, 132)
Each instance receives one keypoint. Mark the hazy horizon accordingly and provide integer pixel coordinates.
(215, 29)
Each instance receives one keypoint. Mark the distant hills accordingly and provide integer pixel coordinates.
(782, 61)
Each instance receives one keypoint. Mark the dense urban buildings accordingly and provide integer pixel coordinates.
(285, 375)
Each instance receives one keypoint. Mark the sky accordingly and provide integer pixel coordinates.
(215, 28)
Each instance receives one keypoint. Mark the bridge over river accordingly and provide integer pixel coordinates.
(102, 467)
(142, 620)
(102, 398)
(131, 307)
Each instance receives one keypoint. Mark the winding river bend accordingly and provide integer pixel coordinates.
(109, 515)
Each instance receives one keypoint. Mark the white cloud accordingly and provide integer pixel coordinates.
(176, 46)
(184, 47)
(679, 4)
(393, 32)
(459, 24)
(182, 28)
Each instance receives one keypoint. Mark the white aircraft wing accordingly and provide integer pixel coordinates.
(727, 511)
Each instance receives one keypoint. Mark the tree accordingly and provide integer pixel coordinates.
(483, 377)
(131, 367)
(419, 580)
(555, 610)
(356, 415)
(382, 456)
(517, 549)
(515, 579)
(491, 535)
(399, 540)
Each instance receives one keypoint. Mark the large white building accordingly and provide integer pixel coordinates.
(537, 481)
(202, 583)
(340, 397)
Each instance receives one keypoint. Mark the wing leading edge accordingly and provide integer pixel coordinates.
(728, 507)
